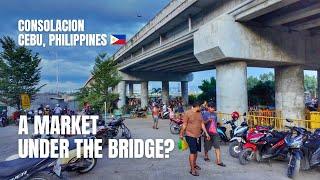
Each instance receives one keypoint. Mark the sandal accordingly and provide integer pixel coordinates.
(206, 159)
(195, 173)
(197, 167)
(221, 164)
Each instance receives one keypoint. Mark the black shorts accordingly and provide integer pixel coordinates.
(194, 144)
(214, 141)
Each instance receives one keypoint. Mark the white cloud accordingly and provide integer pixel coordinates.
(66, 86)
(66, 68)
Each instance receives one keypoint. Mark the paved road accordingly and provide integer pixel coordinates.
(176, 167)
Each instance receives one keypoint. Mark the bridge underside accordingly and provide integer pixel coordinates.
(181, 59)
(280, 34)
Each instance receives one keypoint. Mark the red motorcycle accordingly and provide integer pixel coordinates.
(263, 143)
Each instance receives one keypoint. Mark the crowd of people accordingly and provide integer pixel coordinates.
(57, 110)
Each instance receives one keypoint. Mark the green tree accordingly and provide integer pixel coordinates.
(310, 84)
(263, 93)
(192, 98)
(105, 76)
(19, 72)
(266, 77)
(208, 88)
(252, 81)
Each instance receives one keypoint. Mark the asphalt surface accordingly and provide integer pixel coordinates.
(176, 167)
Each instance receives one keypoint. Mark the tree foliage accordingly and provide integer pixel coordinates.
(261, 90)
(19, 72)
(262, 93)
(105, 76)
(208, 88)
(310, 84)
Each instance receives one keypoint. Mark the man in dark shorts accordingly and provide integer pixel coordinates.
(209, 117)
(192, 126)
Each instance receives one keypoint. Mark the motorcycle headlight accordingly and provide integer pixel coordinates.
(295, 144)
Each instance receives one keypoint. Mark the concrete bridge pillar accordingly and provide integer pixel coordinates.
(130, 89)
(289, 91)
(165, 92)
(232, 87)
(144, 94)
(184, 92)
(121, 88)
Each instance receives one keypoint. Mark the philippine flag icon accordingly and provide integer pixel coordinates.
(117, 39)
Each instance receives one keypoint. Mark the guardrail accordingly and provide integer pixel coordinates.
(276, 122)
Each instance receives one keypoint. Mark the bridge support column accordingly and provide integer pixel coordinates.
(121, 88)
(130, 89)
(184, 92)
(232, 87)
(144, 94)
(289, 91)
(165, 92)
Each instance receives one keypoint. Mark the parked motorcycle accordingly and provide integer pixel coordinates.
(238, 137)
(304, 149)
(102, 132)
(72, 163)
(29, 168)
(138, 113)
(263, 144)
(175, 125)
(222, 130)
(222, 133)
(117, 124)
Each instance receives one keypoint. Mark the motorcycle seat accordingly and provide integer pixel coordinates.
(262, 128)
(13, 167)
(224, 129)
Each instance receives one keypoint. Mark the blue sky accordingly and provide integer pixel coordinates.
(101, 16)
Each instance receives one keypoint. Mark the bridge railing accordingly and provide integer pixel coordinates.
(163, 15)
(254, 119)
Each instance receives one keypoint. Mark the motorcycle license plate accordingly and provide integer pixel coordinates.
(57, 169)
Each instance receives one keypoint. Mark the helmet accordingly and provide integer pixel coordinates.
(47, 106)
(235, 115)
(57, 105)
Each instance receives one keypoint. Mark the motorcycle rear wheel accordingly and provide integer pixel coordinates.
(235, 148)
(93, 162)
(244, 156)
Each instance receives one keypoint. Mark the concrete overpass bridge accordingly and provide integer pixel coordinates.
(229, 36)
